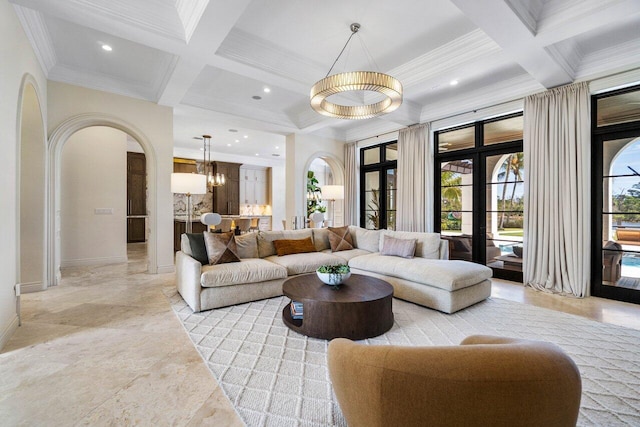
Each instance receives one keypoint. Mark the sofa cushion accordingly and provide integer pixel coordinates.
(294, 246)
(251, 270)
(266, 238)
(340, 239)
(305, 263)
(404, 248)
(321, 239)
(247, 245)
(368, 240)
(427, 244)
(221, 247)
(443, 274)
(347, 255)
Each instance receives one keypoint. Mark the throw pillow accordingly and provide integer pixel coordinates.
(404, 248)
(198, 248)
(298, 246)
(221, 248)
(247, 245)
(340, 239)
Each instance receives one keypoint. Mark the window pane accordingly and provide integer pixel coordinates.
(372, 200)
(625, 194)
(506, 130)
(456, 218)
(391, 199)
(618, 109)
(371, 155)
(620, 267)
(456, 139)
(391, 152)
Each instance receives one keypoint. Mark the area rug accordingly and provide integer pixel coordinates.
(277, 377)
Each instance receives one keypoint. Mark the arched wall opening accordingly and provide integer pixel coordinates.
(334, 176)
(30, 206)
(58, 139)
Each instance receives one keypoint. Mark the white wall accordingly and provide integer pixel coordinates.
(16, 60)
(31, 188)
(94, 176)
(301, 150)
(154, 126)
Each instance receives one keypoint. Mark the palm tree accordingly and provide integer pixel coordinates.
(451, 192)
(514, 163)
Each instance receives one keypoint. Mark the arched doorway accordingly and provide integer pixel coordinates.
(57, 140)
(327, 170)
(31, 194)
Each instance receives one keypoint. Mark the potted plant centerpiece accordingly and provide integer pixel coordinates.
(333, 274)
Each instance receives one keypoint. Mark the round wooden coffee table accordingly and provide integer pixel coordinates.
(359, 309)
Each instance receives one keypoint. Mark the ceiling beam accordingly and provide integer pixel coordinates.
(514, 36)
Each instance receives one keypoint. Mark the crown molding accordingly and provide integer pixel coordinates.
(190, 13)
(464, 49)
(373, 128)
(528, 11)
(623, 56)
(39, 37)
(568, 55)
(616, 81)
(508, 90)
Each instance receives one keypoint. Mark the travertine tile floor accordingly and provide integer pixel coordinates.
(104, 348)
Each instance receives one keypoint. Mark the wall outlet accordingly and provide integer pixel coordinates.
(103, 211)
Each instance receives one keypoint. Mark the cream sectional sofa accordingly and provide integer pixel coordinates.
(429, 279)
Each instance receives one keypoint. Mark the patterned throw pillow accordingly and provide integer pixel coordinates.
(221, 248)
(291, 246)
(340, 239)
(404, 248)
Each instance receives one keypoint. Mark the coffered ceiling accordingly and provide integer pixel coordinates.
(212, 59)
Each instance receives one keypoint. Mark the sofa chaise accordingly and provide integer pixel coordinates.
(428, 278)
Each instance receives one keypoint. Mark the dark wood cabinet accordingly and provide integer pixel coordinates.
(136, 230)
(226, 198)
(136, 196)
(180, 227)
(184, 165)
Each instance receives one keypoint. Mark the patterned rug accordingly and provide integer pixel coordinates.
(277, 377)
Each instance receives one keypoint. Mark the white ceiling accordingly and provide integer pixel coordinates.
(208, 58)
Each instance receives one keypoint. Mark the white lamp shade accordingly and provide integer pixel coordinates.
(192, 183)
(332, 192)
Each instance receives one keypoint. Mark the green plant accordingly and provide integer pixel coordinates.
(334, 271)
(313, 195)
(374, 208)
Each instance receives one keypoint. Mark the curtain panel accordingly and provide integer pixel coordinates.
(415, 178)
(557, 193)
(352, 175)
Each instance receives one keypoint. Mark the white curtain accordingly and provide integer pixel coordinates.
(557, 190)
(415, 178)
(352, 175)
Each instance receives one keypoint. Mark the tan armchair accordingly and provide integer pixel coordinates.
(485, 381)
(611, 262)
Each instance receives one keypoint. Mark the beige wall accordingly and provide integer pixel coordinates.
(154, 124)
(94, 176)
(17, 60)
(301, 150)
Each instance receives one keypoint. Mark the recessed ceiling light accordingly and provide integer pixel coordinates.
(237, 140)
(233, 130)
(228, 145)
(257, 154)
(246, 136)
(453, 82)
(256, 97)
(267, 90)
(107, 47)
(277, 147)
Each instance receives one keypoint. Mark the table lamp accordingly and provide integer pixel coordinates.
(188, 183)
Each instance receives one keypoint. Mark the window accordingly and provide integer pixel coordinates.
(378, 172)
(480, 185)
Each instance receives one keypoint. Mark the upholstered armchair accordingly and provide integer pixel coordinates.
(485, 381)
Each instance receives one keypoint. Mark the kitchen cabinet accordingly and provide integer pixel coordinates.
(254, 187)
(184, 165)
(226, 198)
(136, 196)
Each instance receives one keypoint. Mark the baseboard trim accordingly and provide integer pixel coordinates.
(29, 287)
(8, 331)
(163, 269)
(94, 261)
